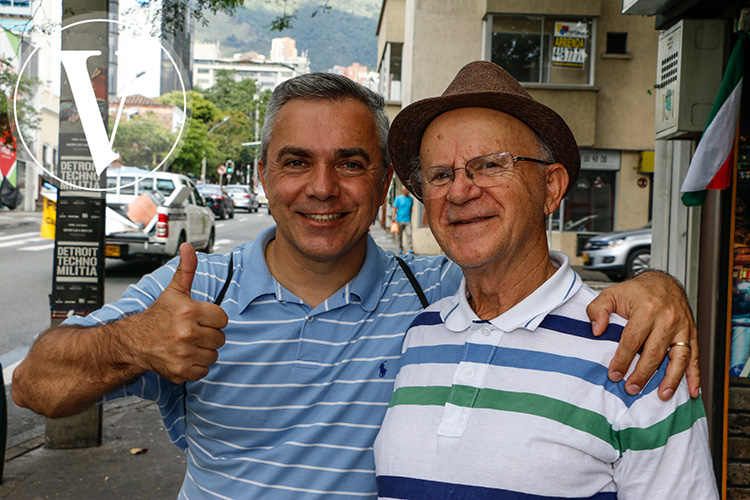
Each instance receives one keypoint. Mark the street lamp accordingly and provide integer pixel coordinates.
(203, 161)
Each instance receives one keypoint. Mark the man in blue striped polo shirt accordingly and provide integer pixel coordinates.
(280, 392)
(502, 390)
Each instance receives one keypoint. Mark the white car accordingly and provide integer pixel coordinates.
(149, 214)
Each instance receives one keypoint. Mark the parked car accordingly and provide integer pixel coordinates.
(619, 255)
(243, 197)
(262, 200)
(218, 200)
(149, 214)
(261, 195)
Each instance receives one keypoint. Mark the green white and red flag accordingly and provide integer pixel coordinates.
(711, 166)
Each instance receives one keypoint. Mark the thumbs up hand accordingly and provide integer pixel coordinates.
(178, 337)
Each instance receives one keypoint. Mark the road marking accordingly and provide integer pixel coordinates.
(8, 372)
(13, 243)
(220, 224)
(10, 360)
(38, 248)
(219, 243)
(19, 235)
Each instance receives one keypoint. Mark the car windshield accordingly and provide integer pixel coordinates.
(209, 189)
(236, 189)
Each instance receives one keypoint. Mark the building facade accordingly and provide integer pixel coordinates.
(584, 59)
(208, 61)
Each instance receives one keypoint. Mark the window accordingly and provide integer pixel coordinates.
(617, 43)
(127, 185)
(165, 186)
(390, 72)
(590, 204)
(543, 49)
(145, 184)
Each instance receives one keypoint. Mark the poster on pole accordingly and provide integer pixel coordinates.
(569, 45)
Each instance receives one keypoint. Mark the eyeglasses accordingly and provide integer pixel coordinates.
(484, 171)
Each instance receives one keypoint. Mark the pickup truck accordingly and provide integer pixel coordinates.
(149, 214)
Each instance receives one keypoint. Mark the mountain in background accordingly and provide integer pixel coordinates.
(342, 35)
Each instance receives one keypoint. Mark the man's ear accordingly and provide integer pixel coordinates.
(386, 183)
(557, 183)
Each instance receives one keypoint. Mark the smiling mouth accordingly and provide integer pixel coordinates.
(478, 219)
(323, 217)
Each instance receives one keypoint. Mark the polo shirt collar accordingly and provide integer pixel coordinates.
(527, 314)
(256, 279)
(367, 285)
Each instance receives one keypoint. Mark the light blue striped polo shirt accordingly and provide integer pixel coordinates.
(292, 406)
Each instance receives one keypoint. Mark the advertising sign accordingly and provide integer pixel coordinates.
(569, 45)
(740, 309)
(79, 254)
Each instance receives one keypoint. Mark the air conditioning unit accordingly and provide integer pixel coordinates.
(690, 66)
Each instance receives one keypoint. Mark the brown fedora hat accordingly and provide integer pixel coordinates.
(480, 84)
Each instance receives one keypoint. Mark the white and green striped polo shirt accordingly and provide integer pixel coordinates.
(520, 407)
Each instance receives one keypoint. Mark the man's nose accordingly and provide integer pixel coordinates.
(462, 188)
(323, 182)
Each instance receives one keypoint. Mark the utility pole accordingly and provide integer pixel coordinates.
(78, 276)
(203, 161)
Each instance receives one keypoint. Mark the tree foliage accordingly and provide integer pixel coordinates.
(174, 12)
(142, 142)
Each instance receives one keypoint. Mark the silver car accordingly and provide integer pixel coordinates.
(243, 197)
(619, 255)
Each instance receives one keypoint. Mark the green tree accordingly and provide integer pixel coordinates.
(236, 99)
(174, 12)
(142, 142)
(228, 94)
(197, 143)
(200, 108)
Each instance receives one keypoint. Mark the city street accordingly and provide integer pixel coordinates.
(28, 282)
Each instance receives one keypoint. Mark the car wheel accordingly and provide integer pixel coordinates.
(210, 245)
(638, 261)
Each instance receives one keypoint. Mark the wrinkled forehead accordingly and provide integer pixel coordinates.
(471, 132)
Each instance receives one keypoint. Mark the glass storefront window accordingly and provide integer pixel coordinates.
(590, 205)
(543, 49)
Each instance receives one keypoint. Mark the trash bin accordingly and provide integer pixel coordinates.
(3, 423)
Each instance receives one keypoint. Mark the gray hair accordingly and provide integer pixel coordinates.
(331, 87)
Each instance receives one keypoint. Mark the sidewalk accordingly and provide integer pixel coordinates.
(106, 472)
(17, 218)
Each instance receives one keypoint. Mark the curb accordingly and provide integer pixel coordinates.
(9, 220)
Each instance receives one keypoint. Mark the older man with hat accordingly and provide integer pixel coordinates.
(503, 390)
